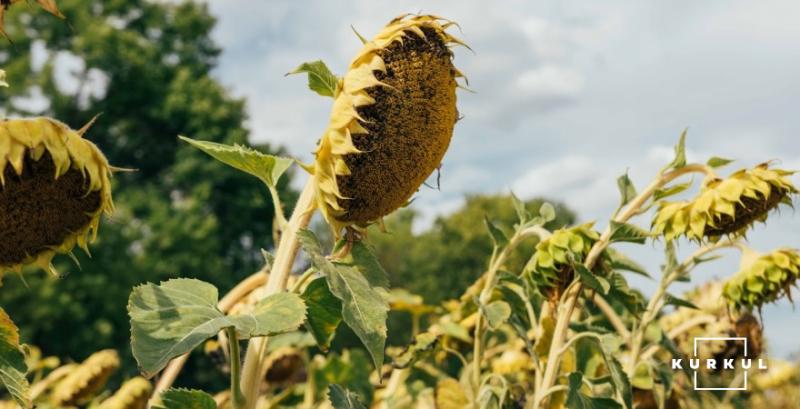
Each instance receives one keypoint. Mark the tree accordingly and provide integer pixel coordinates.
(146, 67)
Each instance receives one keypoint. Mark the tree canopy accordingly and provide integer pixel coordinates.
(147, 68)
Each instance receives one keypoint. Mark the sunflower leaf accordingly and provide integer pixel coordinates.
(268, 168)
(12, 362)
(717, 162)
(320, 79)
(173, 318)
(364, 305)
(324, 312)
(626, 189)
(626, 232)
(179, 398)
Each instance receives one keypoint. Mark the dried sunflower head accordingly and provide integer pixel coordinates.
(762, 278)
(391, 122)
(87, 379)
(54, 186)
(133, 394)
(551, 267)
(726, 207)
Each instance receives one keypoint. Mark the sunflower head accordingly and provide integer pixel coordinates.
(551, 266)
(54, 187)
(726, 207)
(391, 122)
(762, 278)
(133, 394)
(87, 379)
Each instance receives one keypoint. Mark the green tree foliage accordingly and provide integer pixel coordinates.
(441, 262)
(179, 213)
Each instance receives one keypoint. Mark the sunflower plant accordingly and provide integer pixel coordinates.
(565, 330)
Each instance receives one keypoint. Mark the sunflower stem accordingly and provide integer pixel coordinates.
(252, 371)
(236, 360)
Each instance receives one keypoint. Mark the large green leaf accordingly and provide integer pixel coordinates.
(268, 168)
(12, 362)
(342, 398)
(171, 319)
(179, 398)
(324, 312)
(364, 307)
(320, 79)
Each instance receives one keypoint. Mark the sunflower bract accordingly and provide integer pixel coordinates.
(763, 280)
(551, 265)
(725, 207)
(54, 186)
(391, 122)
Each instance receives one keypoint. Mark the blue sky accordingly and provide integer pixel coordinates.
(568, 95)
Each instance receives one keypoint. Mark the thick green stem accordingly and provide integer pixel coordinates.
(237, 398)
(252, 371)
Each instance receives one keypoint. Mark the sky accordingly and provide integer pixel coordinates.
(568, 95)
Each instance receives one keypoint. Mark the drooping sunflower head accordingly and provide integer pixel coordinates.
(54, 187)
(551, 266)
(762, 278)
(391, 122)
(87, 379)
(726, 207)
(133, 394)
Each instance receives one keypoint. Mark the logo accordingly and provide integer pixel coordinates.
(744, 364)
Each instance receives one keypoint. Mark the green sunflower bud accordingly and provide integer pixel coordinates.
(726, 207)
(762, 278)
(551, 267)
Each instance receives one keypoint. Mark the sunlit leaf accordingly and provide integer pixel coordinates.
(547, 212)
(320, 79)
(173, 318)
(717, 162)
(268, 168)
(680, 153)
(626, 189)
(496, 313)
(671, 191)
(619, 261)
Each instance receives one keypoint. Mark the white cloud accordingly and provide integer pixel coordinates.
(569, 94)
